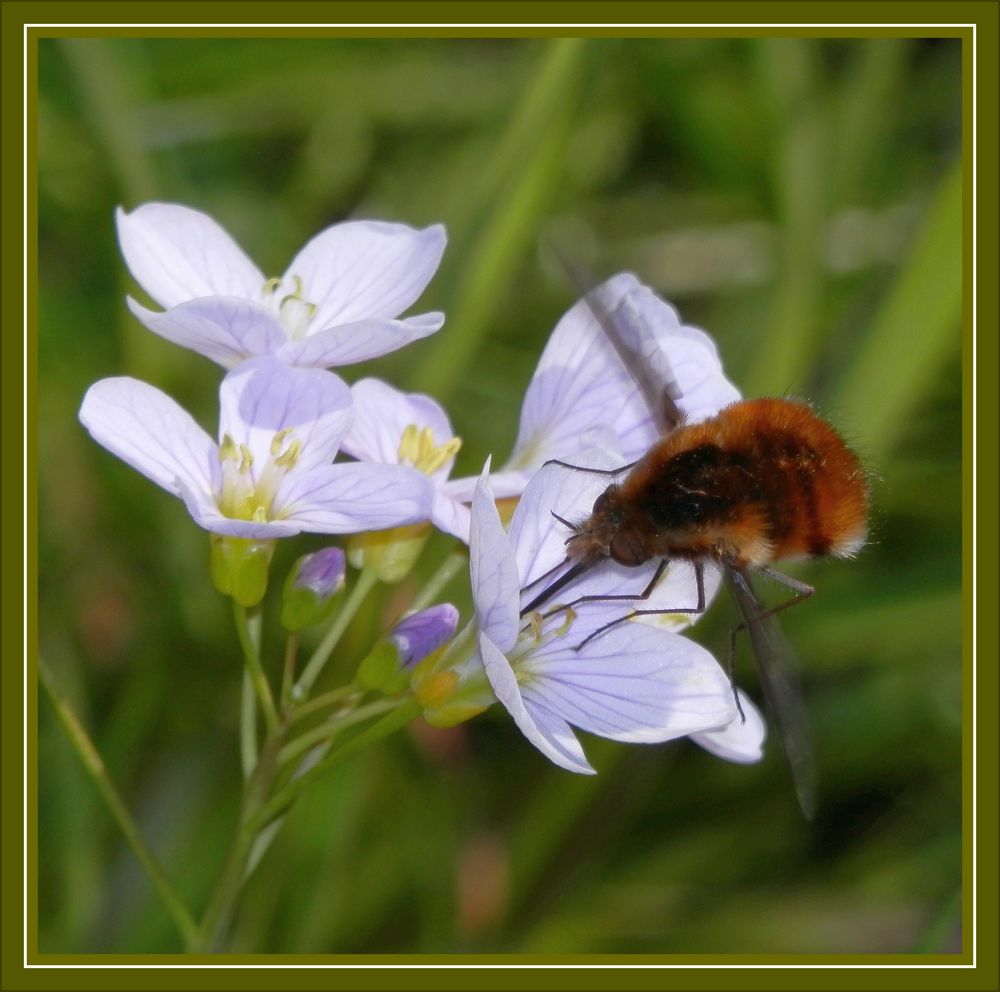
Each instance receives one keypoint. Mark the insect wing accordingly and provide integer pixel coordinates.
(780, 685)
(640, 353)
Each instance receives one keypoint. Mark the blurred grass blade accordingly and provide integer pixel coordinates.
(91, 760)
(915, 329)
(791, 74)
(530, 159)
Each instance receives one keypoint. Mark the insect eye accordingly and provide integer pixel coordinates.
(626, 551)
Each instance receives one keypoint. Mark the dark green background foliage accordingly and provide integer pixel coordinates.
(800, 199)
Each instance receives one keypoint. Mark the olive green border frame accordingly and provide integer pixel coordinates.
(19, 499)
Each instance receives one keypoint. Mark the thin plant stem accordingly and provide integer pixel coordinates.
(91, 760)
(366, 582)
(248, 726)
(251, 655)
(326, 731)
(288, 676)
(321, 702)
(447, 570)
(405, 710)
(230, 884)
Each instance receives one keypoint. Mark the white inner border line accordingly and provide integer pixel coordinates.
(638, 26)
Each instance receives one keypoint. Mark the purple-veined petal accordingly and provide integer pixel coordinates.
(579, 384)
(225, 329)
(354, 497)
(148, 430)
(263, 396)
(737, 741)
(539, 539)
(451, 516)
(548, 733)
(359, 341)
(677, 354)
(207, 514)
(382, 413)
(632, 683)
(493, 570)
(503, 484)
(361, 270)
(178, 254)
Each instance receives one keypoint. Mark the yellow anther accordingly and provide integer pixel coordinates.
(279, 439)
(227, 450)
(271, 285)
(535, 622)
(417, 448)
(567, 623)
(259, 515)
(246, 458)
(290, 455)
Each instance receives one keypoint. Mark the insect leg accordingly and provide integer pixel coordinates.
(618, 597)
(802, 592)
(699, 607)
(583, 468)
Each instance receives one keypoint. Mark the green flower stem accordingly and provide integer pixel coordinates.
(326, 731)
(405, 710)
(447, 570)
(330, 698)
(230, 884)
(366, 582)
(248, 630)
(288, 676)
(248, 726)
(94, 766)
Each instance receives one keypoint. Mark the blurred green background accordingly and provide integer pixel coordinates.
(800, 199)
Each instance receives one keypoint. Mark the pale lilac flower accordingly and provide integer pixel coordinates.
(581, 388)
(633, 682)
(411, 429)
(270, 474)
(336, 304)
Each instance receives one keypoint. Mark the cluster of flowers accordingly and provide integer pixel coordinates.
(285, 419)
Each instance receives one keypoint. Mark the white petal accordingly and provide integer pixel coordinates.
(632, 683)
(346, 344)
(223, 328)
(548, 733)
(382, 413)
(539, 539)
(206, 514)
(493, 571)
(503, 484)
(263, 396)
(579, 384)
(360, 270)
(147, 429)
(678, 358)
(355, 497)
(177, 254)
(451, 516)
(737, 741)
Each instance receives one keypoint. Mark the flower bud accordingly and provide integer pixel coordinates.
(390, 554)
(311, 589)
(239, 567)
(451, 695)
(388, 666)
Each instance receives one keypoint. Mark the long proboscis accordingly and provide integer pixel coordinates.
(553, 587)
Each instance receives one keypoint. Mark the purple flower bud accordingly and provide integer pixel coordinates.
(311, 588)
(322, 572)
(419, 635)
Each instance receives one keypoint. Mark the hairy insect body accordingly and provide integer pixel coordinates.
(762, 481)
